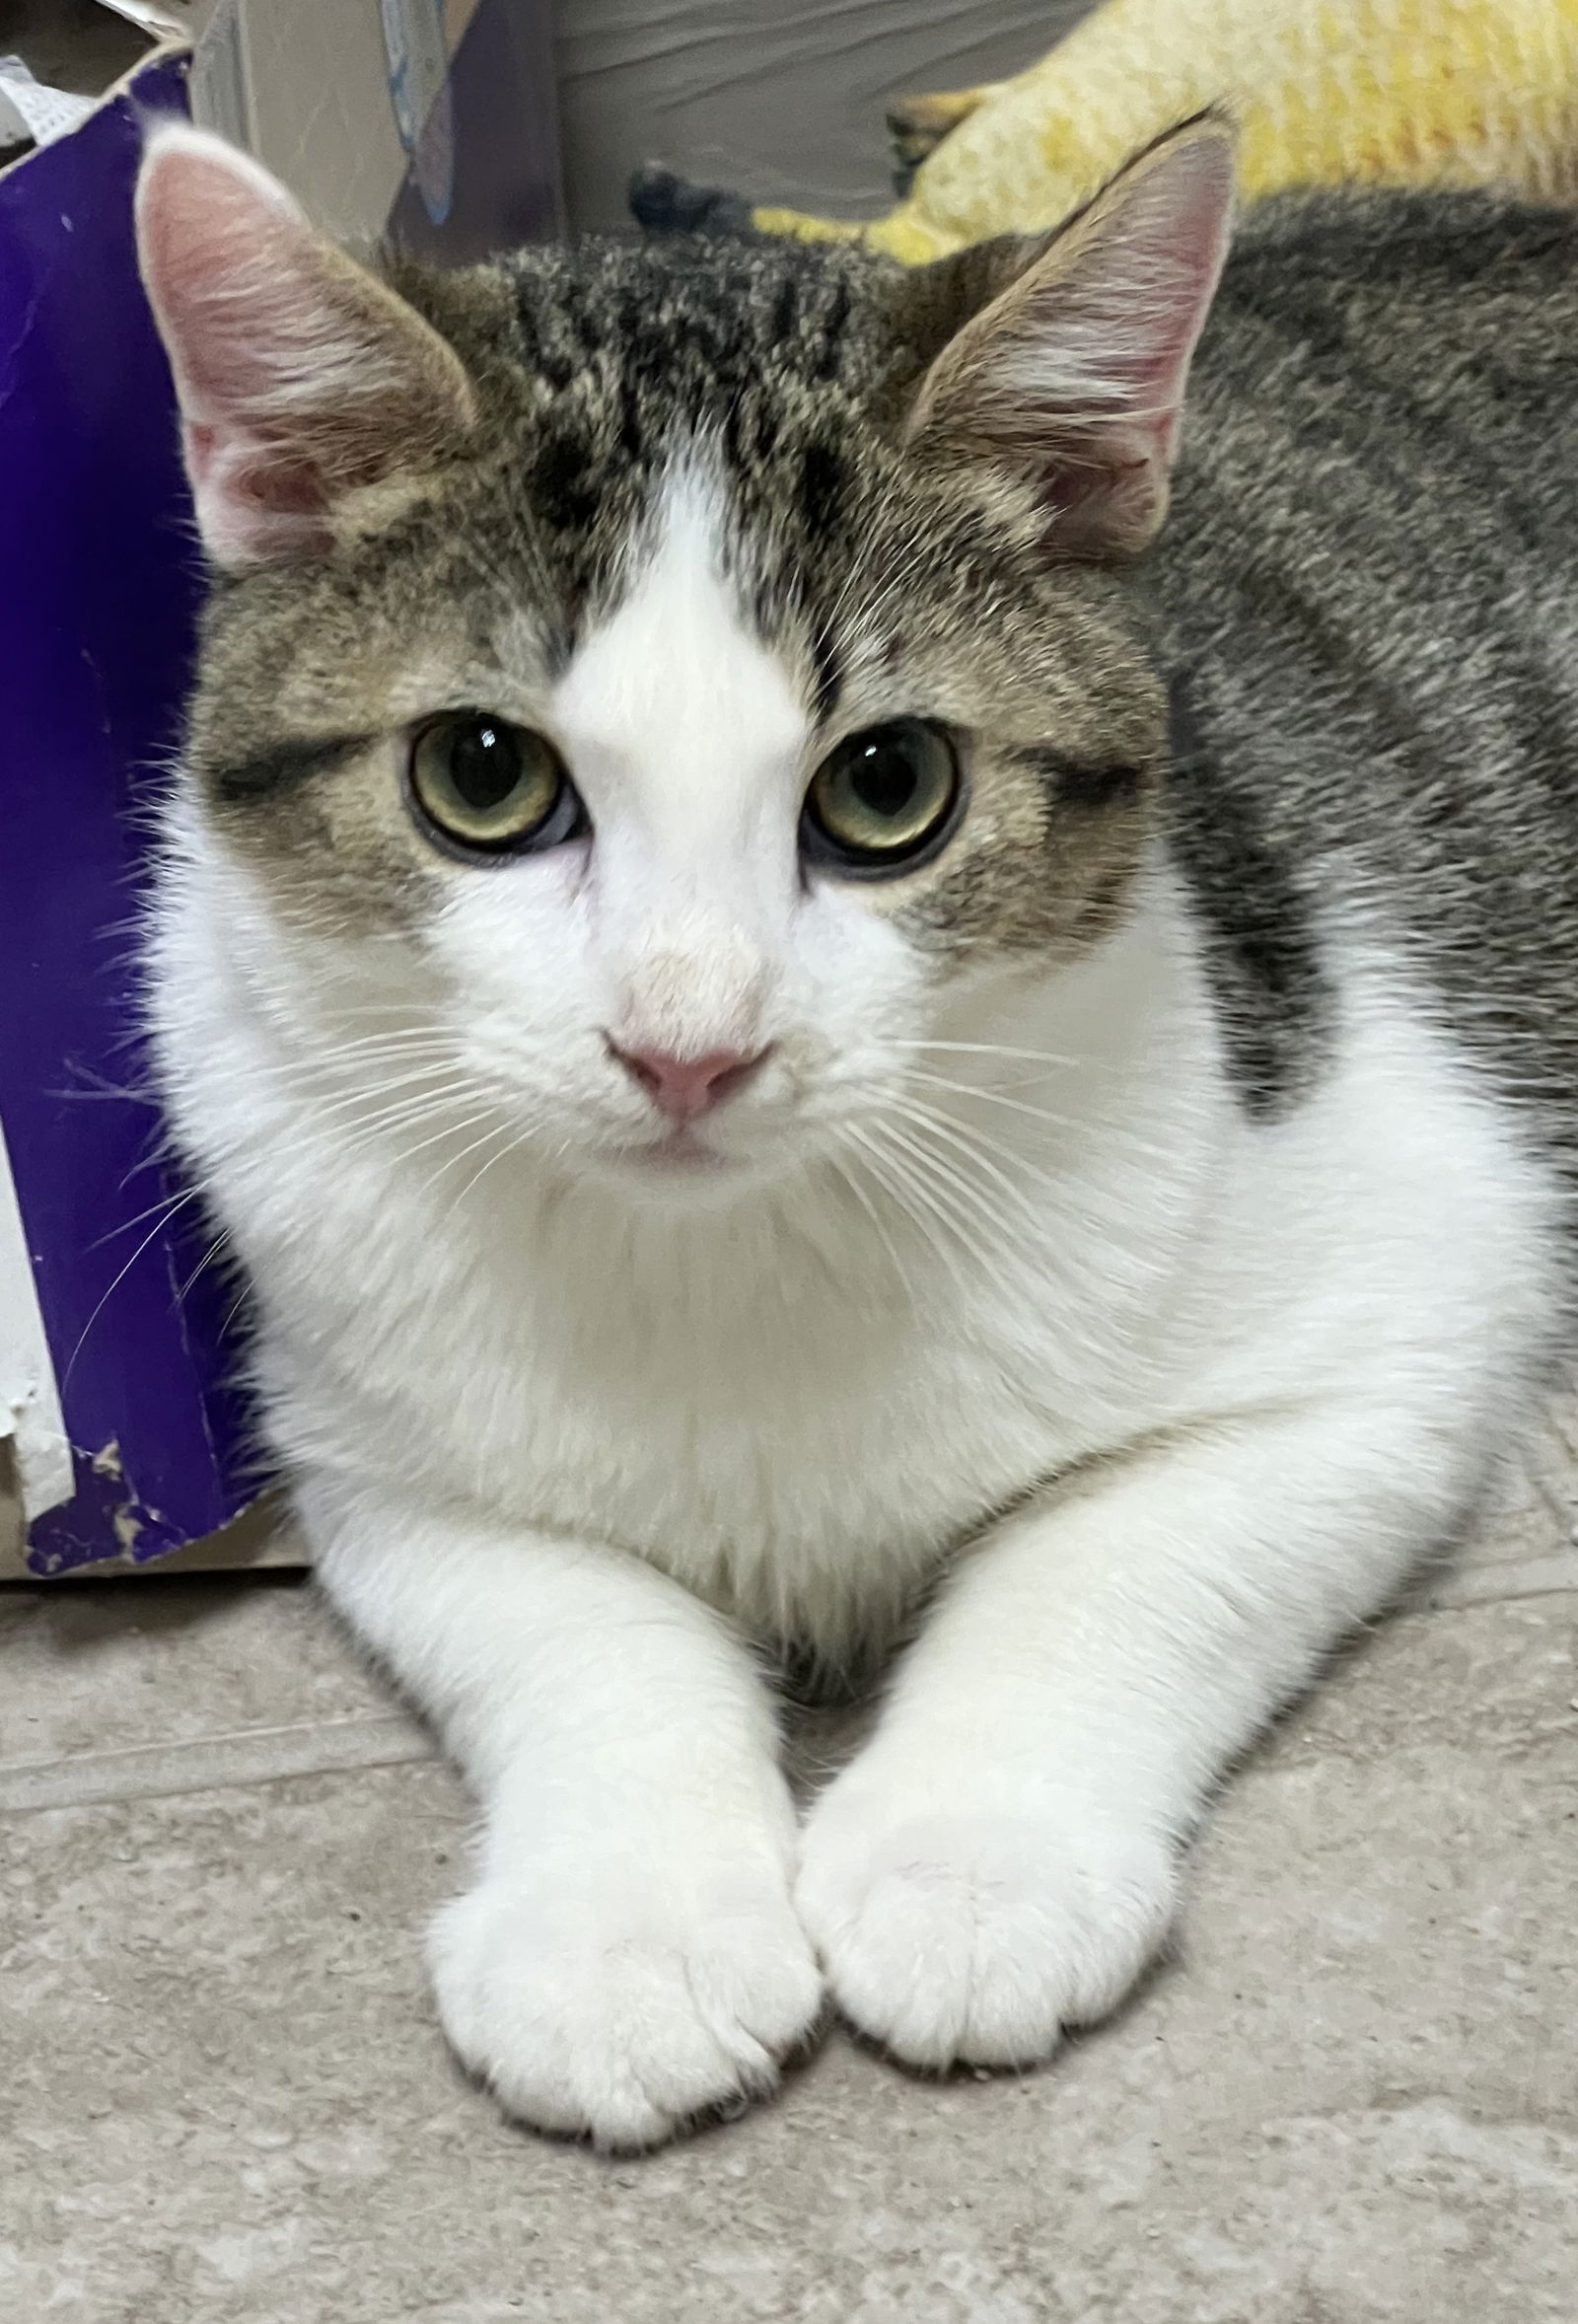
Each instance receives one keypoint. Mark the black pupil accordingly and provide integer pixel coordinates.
(484, 766)
(883, 778)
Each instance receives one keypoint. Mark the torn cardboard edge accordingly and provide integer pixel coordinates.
(29, 1400)
(34, 113)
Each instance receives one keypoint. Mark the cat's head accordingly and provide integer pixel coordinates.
(655, 682)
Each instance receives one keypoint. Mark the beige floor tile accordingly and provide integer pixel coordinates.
(133, 1664)
(1353, 2097)
(1524, 1544)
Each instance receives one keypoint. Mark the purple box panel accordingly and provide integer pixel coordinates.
(98, 591)
(100, 588)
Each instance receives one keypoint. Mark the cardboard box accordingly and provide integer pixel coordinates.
(122, 1435)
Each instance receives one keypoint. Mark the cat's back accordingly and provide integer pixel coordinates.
(1383, 438)
(1369, 601)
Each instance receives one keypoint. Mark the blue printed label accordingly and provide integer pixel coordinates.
(419, 91)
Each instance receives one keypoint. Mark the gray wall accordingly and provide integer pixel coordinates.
(781, 99)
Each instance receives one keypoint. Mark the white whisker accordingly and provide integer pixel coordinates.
(847, 1177)
(151, 1235)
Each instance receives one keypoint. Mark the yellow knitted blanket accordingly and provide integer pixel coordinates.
(1399, 92)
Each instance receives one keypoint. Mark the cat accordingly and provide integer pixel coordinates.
(863, 968)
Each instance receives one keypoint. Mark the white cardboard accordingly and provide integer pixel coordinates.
(29, 1400)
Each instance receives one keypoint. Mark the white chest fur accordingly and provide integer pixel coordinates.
(797, 1404)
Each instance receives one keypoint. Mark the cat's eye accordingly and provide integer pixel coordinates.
(491, 788)
(884, 800)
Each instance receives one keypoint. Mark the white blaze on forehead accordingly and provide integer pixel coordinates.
(687, 738)
(681, 725)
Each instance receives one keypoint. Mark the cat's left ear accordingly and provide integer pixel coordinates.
(302, 379)
(1072, 377)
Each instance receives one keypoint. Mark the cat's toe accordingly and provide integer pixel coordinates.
(625, 2020)
(958, 1936)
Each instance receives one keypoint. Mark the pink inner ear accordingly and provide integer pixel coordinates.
(236, 278)
(1111, 338)
(1075, 374)
(300, 378)
(1182, 225)
(222, 250)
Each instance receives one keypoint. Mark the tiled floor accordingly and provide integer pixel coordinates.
(1353, 2093)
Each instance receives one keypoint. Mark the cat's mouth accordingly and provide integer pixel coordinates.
(681, 1153)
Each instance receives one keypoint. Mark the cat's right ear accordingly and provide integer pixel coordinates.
(302, 379)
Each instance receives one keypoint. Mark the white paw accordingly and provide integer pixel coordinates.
(618, 2009)
(954, 1929)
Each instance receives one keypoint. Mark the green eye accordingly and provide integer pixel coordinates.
(883, 800)
(490, 787)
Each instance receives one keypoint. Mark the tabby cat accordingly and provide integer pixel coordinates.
(821, 1038)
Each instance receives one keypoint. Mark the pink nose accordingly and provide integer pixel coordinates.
(685, 1087)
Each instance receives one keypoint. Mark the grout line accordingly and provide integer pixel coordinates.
(255, 1754)
(1520, 1577)
(262, 1755)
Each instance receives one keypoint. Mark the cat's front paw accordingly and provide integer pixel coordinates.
(961, 1929)
(627, 2008)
